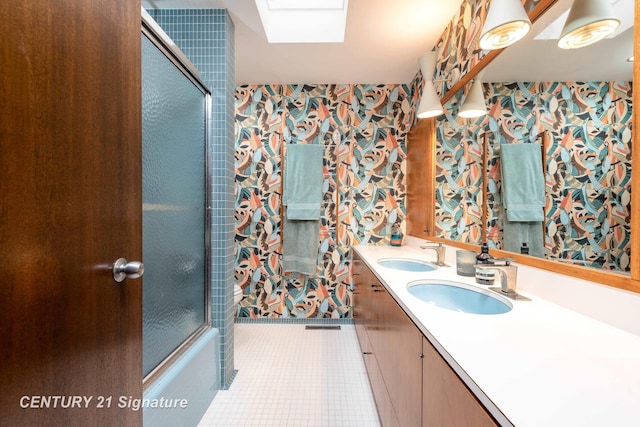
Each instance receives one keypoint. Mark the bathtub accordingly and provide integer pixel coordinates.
(181, 396)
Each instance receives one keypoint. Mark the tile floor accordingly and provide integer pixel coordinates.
(289, 376)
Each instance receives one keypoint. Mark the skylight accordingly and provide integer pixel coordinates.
(303, 21)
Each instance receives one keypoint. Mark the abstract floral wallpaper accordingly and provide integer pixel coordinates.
(458, 177)
(588, 162)
(588, 129)
(363, 129)
(459, 46)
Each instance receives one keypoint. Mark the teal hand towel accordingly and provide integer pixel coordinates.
(514, 234)
(300, 246)
(303, 181)
(522, 182)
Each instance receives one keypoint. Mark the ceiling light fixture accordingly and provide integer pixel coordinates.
(474, 104)
(506, 23)
(430, 105)
(589, 21)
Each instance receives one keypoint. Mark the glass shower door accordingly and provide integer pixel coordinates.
(174, 151)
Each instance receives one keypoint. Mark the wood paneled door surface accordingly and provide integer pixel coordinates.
(70, 205)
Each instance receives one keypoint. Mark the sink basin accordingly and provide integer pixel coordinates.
(460, 297)
(407, 264)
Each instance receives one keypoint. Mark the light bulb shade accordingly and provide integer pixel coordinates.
(506, 23)
(474, 104)
(430, 105)
(589, 21)
(427, 64)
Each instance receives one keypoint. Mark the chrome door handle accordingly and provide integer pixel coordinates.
(127, 270)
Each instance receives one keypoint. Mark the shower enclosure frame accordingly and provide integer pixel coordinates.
(159, 38)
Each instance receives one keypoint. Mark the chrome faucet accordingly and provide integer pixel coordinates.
(440, 251)
(508, 274)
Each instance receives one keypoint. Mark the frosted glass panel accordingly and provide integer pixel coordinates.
(173, 213)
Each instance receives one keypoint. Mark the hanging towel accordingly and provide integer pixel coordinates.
(522, 182)
(300, 248)
(303, 181)
(302, 198)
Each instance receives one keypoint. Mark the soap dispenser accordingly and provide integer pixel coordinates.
(484, 257)
(396, 236)
(484, 277)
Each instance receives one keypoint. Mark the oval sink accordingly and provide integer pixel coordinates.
(458, 296)
(407, 264)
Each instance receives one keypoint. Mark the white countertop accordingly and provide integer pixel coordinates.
(538, 365)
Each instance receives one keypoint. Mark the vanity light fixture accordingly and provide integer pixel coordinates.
(430, 105)
(589, 21)
(506, 23)
(474, 104)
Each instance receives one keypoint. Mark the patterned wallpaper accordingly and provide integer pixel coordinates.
(588, 156)
(363, 129)
(459, 46)
(588, 160)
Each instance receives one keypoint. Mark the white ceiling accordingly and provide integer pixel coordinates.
(383, 41)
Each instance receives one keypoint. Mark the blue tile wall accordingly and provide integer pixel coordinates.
(206, 36)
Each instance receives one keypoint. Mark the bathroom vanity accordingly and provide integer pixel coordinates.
(538, 364)
(407, 374)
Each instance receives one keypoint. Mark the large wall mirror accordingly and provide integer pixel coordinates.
(576, 105)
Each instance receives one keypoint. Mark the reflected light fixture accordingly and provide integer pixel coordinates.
(430, 105)
(506, 23)
(589, 21)
(474, 104)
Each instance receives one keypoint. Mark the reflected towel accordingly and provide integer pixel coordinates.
(514, 234)
(303, 181)
(300, 246)
(522, 182)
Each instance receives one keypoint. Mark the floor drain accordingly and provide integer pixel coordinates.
(323, 327)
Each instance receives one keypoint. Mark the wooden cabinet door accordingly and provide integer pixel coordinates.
(70, 202)
(447, 402)
(405, 385)
(399, 360)
(367, 306)
(361, 302)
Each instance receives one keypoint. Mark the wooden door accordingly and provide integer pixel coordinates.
(70, 205)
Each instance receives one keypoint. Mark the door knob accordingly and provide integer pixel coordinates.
(127, 270)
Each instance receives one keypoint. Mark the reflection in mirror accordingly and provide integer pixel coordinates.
(577, 105)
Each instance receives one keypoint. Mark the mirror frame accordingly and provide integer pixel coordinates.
(426, 128)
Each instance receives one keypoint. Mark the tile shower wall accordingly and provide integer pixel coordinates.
(363, 129)
(588, 161)
(206, 36)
